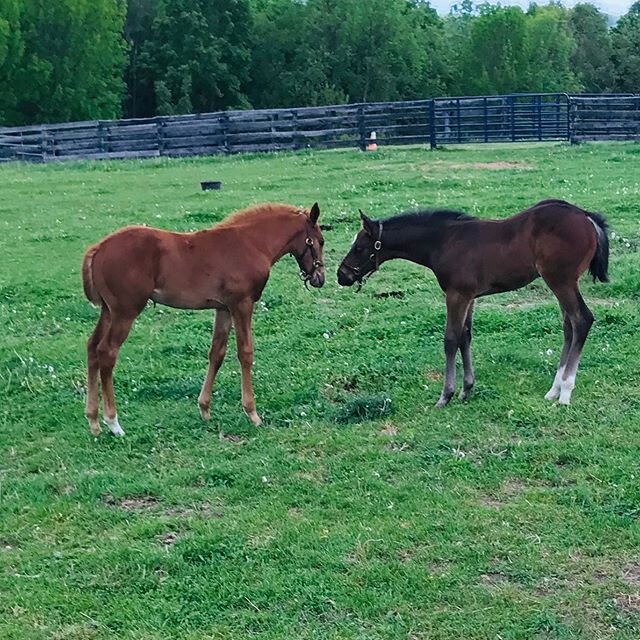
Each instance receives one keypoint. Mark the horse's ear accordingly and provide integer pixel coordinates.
(367, 224)
(314, 214)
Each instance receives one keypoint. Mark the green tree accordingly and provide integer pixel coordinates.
(494, 58)
(549, 46)
(73, 62)
(457, 33)
(11, 53)
(285, 70)
(197, 56)
(139, 100)
(591, 59)
(626, 51)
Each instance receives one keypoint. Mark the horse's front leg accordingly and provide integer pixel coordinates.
(457, 307)
(221, 328)
(242, 322)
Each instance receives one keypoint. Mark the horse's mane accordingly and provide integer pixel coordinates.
(431, 217)
(249, 215)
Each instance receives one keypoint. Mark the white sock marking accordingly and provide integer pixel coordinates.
(556, 387)
(114, 426)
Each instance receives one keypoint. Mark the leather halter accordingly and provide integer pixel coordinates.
(316, 264)
(373, 257)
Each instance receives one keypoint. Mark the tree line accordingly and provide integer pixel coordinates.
(63, 60)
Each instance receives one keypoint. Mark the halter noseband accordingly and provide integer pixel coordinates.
(316, 264)
(374, 257)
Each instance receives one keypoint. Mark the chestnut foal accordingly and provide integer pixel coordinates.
(471, 258)
(223, 268)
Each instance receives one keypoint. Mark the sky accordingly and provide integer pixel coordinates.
(611, 7)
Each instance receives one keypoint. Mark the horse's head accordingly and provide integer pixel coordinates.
(364, 256)
(308, 247)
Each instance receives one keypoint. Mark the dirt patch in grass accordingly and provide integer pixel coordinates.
(168, 539)
(317, 475)
(439, 568)
(134, 503)
(628, 602)
(510, 489)
(631, 574)
(493, 579)
(388, 430)
(151, 504)
(231, 437)
(531, 304)
(485, 166)
(491, 503)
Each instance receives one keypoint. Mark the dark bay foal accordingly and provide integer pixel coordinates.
(470, 258)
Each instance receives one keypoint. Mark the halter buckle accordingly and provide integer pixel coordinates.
(377, 245)
(309, 242)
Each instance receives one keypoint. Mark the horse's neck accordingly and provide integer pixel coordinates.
(273, 235)
(419, 245)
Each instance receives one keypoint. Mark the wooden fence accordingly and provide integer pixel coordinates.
(440, 121)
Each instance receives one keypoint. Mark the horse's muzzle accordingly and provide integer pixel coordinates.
(317, 278)
(346, 277)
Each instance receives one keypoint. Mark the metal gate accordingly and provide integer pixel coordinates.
(510, 118)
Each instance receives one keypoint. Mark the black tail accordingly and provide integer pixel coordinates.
(599, 267)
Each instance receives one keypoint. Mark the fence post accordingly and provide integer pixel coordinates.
(224, 122)
(160, 126)
(294, 132)
(486, 120)
(571, 121)
(100, 137)
(361, 129)
(45, 143)
(513, 119)
(539, 101)
(432, 124)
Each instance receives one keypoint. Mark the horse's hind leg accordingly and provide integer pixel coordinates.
(91, 407)
(469, 378)
(221, 328)
(457, 307)
(107, 350)
(556, 387)
(581, 320)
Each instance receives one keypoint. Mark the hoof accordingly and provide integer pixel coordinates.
(564, 400)
(95, 428)
(205, 413)
(254, 417)
(442, 403)
(552, 394)
(114, 426)
(465, 394)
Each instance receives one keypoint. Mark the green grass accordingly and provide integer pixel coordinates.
(357, 511)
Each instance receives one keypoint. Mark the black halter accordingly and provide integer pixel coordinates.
(374, 257)
(316, 264)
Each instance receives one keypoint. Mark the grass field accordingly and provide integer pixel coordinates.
(358, 510)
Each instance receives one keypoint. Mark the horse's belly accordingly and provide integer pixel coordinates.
(185, 300)
(509, 282)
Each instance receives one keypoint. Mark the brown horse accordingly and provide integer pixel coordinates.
(471, 258)
(223, 268)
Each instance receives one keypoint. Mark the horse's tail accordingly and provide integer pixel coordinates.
(87, 275)
(599, 267)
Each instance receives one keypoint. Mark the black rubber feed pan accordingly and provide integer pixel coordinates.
(210, 185)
